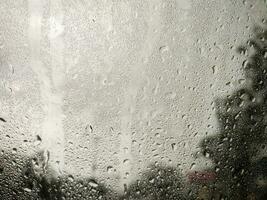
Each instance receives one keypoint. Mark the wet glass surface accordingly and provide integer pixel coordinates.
(127, 100)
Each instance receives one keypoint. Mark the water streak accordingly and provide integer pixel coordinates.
(50, 77)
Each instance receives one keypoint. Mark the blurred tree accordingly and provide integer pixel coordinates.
(30, 178)
(242, 118)
(159, 183)
(52, 187)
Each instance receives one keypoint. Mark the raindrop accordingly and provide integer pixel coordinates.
(217, 169)
(90, 128)
(245, 63)
(70, 178)
(241, 81)
(27, 190)
(214, 69)
(174, 146)
(206, 154)
(193, 165)
(38, 140)
(14, 150)
(2, 119)
(228, 83)
(126, 161)
(109, 169)
(1, 170)
(93, 184)
(163, 49)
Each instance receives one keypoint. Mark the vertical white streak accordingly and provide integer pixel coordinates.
(58, 75)
(136, 78)
(52, 128)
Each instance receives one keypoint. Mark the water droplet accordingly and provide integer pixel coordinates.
(93, 184)
(193, 166)
(206, 154)
(241, 81)
(126, 161)
(163, 49)
(109, 169)
(174, 146)
(70, 178)
(2, 119)
(27, 190)
(14, 150)
(214, 69)
(38, 140)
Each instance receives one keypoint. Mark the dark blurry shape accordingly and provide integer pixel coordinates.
(38, 176)
(259, 178)
(242, 117)
(13, 181)
(38, 138)
(159, 183)
(29, 179)
(2, 119)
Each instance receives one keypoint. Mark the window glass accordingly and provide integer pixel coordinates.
(142, 99)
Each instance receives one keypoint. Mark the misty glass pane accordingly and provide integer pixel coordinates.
(133, 99)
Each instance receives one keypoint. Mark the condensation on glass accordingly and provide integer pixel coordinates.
(142, 99)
